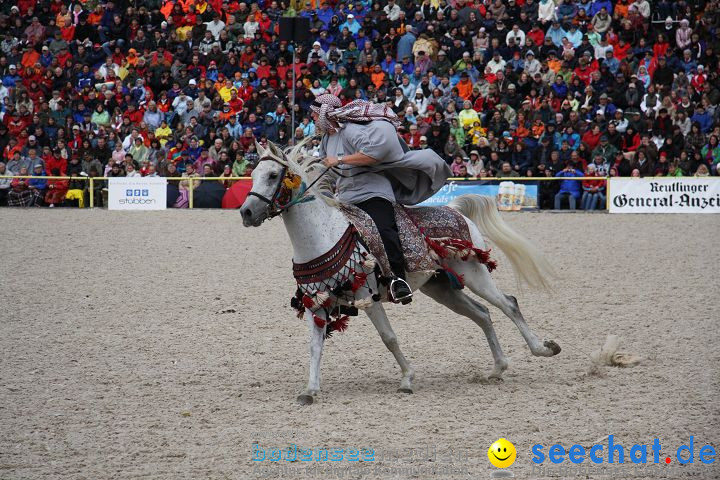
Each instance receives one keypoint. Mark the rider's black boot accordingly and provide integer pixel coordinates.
(400, 291)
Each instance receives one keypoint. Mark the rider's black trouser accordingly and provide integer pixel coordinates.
(383, 214)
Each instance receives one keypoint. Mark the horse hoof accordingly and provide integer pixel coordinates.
(552, 346)
(305, 399)
(405, 390)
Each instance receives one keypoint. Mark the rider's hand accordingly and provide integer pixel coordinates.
(330, 161)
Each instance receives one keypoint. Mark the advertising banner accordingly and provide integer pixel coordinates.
(664, 195)
(512, 195)
(137, 193)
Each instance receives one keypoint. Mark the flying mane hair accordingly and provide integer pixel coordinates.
(300, 163)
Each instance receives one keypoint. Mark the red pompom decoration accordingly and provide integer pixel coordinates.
(308, 302)
(319, 322)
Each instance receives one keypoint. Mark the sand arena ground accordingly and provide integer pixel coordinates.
(118, 363)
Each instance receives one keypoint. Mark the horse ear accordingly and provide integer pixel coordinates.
(276, 151)
(262, 152)
(270, 148)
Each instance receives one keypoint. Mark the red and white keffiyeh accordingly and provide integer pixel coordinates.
(332, 115)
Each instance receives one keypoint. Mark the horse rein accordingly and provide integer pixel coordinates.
(274, 208)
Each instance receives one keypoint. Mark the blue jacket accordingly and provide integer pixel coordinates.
(573, 187)
(256, 127)
(556, 35)
(39, 183)
(572, 139)
(325, 14)
(705, 121)
(597, 5)
(11, 81)
(560, 89)
(405, 46)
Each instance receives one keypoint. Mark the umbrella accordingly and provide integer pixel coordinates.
(235, 196)
(208, 194)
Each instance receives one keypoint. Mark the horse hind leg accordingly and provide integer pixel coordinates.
(439, 289)
(378, 317)
(478, 280)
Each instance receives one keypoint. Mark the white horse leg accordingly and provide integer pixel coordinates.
(478, 279)
(439, 289)
(378, 317)
(317, 340)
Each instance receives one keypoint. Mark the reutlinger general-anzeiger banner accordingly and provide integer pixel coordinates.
(664, 195)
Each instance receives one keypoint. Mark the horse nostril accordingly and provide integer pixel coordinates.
(246, 213)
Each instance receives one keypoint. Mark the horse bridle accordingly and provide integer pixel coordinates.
(272, 206)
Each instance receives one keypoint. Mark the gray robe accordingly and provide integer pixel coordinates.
(401, 175)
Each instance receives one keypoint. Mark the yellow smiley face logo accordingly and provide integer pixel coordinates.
(502, 453)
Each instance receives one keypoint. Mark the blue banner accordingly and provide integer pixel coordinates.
(455, 188)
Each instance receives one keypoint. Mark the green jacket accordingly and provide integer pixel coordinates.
(607, 152)
(239, 167)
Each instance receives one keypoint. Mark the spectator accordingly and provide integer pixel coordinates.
(561, 76)
(5, 184)
(710, 153)
(568, 188)
(593, 191)
(507, 171)
(56, 189)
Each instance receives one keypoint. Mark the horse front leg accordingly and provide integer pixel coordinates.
(317, 340)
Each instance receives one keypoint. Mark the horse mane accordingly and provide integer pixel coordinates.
(308, 167)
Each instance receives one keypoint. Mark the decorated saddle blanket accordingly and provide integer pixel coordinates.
(418, 227)
(427, 234)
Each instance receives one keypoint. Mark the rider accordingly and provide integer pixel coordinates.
(358, 136)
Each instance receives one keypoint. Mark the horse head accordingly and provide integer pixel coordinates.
(268, 179)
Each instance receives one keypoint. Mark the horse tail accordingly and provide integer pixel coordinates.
(528, 263)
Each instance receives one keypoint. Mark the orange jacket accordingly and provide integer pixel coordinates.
(377, 78)
(29, 59)
(465, 88)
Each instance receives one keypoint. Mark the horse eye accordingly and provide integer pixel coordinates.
(273, 175)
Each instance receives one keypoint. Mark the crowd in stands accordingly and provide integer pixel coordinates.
(500, 87)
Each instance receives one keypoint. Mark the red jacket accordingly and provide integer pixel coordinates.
(17, 124)
(591, 139)
(537, 37)
(51, 162)
(412, 140)
(630, 145)
(592, 183)
(621, 52)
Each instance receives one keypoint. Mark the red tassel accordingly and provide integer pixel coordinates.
(358, 281)
(341, 324)
(327, 302)
(319, 322)
(438, 248)
(456, 244)
(308, 302)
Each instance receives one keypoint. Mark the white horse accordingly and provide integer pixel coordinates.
(316, 226)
